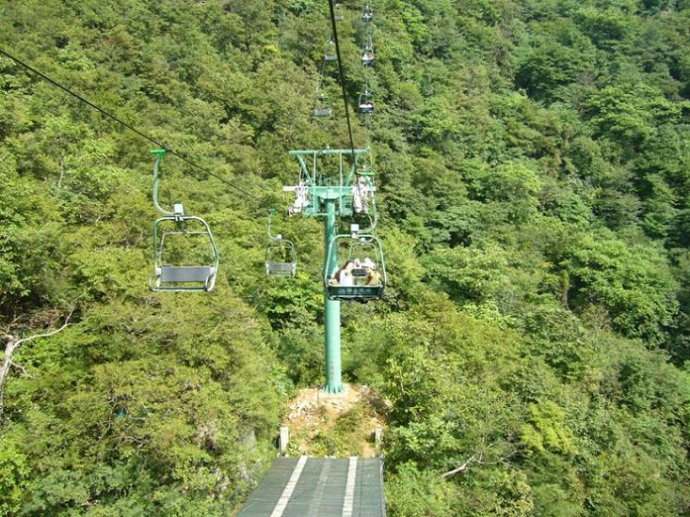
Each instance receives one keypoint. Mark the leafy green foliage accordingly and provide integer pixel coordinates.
(531, 161)
(632, 283)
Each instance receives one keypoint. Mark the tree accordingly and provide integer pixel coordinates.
(13, 342)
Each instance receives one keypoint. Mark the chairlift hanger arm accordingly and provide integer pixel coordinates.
(156, 180)
(279, 237)
(304, 168)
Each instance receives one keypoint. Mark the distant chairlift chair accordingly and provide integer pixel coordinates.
(323, 107)
(180, 277)
(338, 11)
(281, 258)
(330, 54)
(365, 105)
(368, 55)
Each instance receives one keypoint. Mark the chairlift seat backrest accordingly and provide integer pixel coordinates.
(281, 260)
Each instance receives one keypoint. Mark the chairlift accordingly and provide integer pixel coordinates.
(281, 258)
(368, 54)
(323, 107)
(363, 191)
(367, 14)
(182, 275)
(338, 11)
(365, 105)
(365, 268)
(180, 262)
(330, 53)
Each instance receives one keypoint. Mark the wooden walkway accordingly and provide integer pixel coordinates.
(319, 487)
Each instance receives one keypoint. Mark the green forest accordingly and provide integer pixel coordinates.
(532, 161)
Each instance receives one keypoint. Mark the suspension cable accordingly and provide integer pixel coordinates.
(341, 74)
(138, 132)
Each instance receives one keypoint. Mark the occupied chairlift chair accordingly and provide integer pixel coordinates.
(281, 259)
(360, 246)
(179, 277)
(368, 54)
(365, 105)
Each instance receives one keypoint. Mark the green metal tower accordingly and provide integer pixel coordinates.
(331, 185)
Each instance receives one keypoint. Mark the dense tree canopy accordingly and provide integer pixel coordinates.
(533, 166)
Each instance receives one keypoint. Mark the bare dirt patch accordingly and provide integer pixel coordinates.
(335, 425)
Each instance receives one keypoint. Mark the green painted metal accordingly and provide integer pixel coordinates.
(331, 177)
(160, 153)
(314, 173)
(331, 309)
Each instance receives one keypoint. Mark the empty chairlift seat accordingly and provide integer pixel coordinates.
(185, 255)
(338, 11)
(330, 54)
(184, 251)
(323, 107)
(281, 259)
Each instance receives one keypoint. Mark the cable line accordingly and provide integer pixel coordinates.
(342, 77)
(126, 125)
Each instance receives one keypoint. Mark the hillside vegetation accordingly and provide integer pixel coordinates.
(533, 165)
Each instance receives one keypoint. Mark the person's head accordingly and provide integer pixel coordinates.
(349, 266)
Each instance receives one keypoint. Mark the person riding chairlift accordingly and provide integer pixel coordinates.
(343, 277)
(373, 277)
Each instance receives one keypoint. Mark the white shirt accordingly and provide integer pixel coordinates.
(346, 279)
